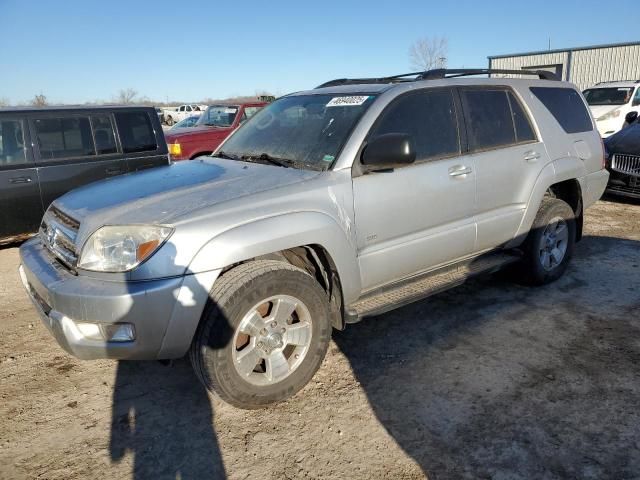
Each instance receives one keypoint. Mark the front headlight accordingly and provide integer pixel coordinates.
(120, 248)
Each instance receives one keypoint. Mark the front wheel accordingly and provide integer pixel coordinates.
(263, 334)
(549, 246)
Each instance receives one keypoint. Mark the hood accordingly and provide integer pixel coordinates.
(599, 110)
(626, 141)
(163, 195)
(184, 134)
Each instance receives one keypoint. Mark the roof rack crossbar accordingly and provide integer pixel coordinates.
(438, 74)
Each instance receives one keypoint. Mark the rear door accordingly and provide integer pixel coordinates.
(508, 158)
(68, 156)
(20, 205)
(142, 140)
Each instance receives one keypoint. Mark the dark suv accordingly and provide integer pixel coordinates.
(47, 152)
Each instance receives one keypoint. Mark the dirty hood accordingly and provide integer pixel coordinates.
(165, 195)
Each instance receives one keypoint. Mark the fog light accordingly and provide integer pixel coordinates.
(119, 332)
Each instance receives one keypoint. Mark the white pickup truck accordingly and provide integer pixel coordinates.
(175, 114)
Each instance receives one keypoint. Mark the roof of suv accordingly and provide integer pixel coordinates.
(67, 108)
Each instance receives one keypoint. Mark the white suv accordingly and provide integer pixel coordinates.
(610, 102)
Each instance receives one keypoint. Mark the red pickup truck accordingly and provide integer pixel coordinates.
(213, 126)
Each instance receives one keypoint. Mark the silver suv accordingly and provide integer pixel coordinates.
(328, 206)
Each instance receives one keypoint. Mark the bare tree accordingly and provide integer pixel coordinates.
(39, 100)
(4, 102)
(429, 52)
(126, 96)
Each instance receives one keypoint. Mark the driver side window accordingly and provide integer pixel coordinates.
(429, 117)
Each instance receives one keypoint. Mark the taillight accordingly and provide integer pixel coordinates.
(604, 153)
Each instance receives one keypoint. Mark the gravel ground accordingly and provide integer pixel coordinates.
(491, 380)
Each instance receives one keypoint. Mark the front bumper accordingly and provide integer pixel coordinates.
(164, 312)
(624, 184)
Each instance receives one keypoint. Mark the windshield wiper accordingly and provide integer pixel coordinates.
(228, 156)
(265, 157)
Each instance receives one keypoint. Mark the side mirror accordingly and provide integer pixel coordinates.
(631, 117)
(388, 151)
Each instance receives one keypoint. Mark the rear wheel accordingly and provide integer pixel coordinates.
(550, 243)
(263, 334)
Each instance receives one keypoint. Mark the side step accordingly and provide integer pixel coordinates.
(419, 287)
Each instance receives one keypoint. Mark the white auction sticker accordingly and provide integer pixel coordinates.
(230, 110)
(352, 101)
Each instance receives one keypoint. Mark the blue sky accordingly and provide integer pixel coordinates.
(82, 50)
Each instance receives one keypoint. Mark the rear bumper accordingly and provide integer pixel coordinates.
(593, 186)
(164, 312)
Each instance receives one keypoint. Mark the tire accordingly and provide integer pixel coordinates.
(170, 120)
(542, 262)
(241, 325)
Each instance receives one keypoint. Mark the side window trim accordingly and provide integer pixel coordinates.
(116, 138)
(466, 122)
(419, 161)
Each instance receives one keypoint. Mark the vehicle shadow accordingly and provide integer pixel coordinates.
(162, 415)
(498, 380)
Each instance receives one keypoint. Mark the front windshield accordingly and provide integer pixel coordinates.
(219, 116)
(303, 130)
(608, 96)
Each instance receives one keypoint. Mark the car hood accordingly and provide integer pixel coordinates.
(626, 141)
(599, 110)
(193, 132)
(165, 195)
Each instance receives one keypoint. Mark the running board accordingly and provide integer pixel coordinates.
(423, 286)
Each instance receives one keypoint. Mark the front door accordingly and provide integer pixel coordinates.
(20, 205)
(421, 216)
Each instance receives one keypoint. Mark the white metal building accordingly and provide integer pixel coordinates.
(584, 66)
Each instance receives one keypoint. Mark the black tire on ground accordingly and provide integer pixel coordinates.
(232, 297)
(169, 120)
(532, 270)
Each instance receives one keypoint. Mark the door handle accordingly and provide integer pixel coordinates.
(113, 171)
(531, 156)
(459, 170)
(20, 180)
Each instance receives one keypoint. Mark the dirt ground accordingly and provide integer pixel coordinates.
(491, 380)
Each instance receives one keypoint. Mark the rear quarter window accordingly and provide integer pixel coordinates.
(566, 106)
(136, 132)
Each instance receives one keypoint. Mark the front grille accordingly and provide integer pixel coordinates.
(629, 164)
(58, 233)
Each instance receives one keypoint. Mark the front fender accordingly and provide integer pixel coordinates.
(282, 232)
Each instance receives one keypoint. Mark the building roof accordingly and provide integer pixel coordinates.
(561, 50)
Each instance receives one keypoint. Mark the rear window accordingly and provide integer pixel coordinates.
(566, 106)
(136, 132)
(64, 137)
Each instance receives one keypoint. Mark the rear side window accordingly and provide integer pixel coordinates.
(489, 122)
(103, 134)
(64, 137)
(11, 142)
(524, 130)
(136, 132)
(566, 106)
(429, 117)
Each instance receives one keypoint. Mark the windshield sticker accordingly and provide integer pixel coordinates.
(230, 110)
(352, 101)
(625, 89)
(328, 158)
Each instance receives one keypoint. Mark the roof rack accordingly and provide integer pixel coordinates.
(618, 81)
(439, 74)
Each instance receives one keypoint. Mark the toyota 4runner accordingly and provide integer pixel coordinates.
(327, 206)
